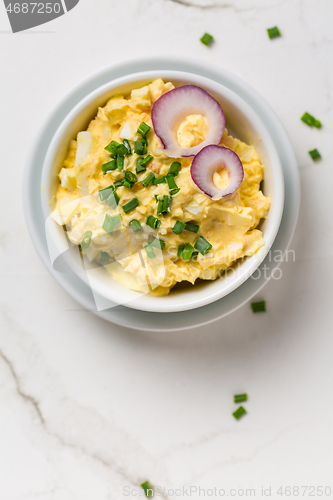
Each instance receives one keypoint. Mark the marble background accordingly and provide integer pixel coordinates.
(86, 407)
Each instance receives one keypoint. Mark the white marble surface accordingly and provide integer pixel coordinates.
(86, 407)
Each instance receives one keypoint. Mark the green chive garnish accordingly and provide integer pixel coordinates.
(105, 192)
(206, 39)
(146, 160)
(160, 180)
(140, 147)
(110, 223)
(135, 225)
(119, 184)
(120, 162)
(130, 205)
(314, 153)
(311, 120)
(155, 242)
(147, 180)
(86, 240)
(258, 306)
(116, 149)
(130, 177)
(180, 251)
(163, 205)
(273, 32)
(195, 254)
(110, 165)
(147, 488)
(202, 245)
(172, 183)
(150, 252)
(239, 412)
(191, 227)
(174, 168)
(104, 259)
(153, 222)
(179, 227)
(140, 166)
(143, 129)
(113, 199)
(187, 251)
(127, 146)
(240, 398)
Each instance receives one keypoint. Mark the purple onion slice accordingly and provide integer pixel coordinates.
(211, 159)
(171, 109)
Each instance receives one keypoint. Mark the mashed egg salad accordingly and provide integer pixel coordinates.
(157, 192)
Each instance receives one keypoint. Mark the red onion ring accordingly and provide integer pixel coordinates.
(209, 160)
(171, 109)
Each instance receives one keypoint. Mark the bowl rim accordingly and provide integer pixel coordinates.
(143, 303)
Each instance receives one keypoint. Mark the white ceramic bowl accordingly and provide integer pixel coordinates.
(241, 121)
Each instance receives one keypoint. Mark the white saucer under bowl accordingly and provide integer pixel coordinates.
(149, 320)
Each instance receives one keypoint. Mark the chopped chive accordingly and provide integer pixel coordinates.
(258, 306)
(187, 251)
(171, 181)
(147, 488)
(239, 412)
(130, 205)
(155, 242)
(127, 146)
(113, 199)
(119, 184)
(160, 180)
(104, 259)
(150, 252)
(173, 192)
(140, 166)
(109, 166)
(160, 207)
(105, 192)
(180, 251)
(314, 153)
(140, 147)
(130, 177)
(156, 198)
(163, 205)
(194, 228)
(174, 168)
(147, 180)
(273, 32)
(179, 227)
(240, 398)
(153, 222)
(86, 240)
(143, 129)
(146, 160)
(128, 184)
(116, 149)
(195, 254)
(135, 225)
(206, 39)
(120, 162)
(110, 223)
(310, 120)
(202, 245)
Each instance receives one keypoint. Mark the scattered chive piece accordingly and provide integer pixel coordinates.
(130, 177)
(179, 227)
(147, 180)
(140, 147)
(130, 205)
(163, 205)
(206, 39)
(194, 228)
(171, 182)
(240, 398)
(104, 259)
(116, 149)
(135, 225)
(150, 252)
(173, 192)
(110, 223)
(120, 162)
(119, 184)
(258, 306)
(239, 412)
(195, 254)
(174, 168)
(180, 251)
(310, 120)
(113, 199)
(159, 180)
(105, 192)
(187, 251)
(127, 146)
(139, 166)
(153, 222)
(147, 159)
(128, 184)
(147, 488)
(86, 240)
(155, 242)
(110, 165)
(273, 32)
(202, 245)
(143, 129)
(314, 153)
